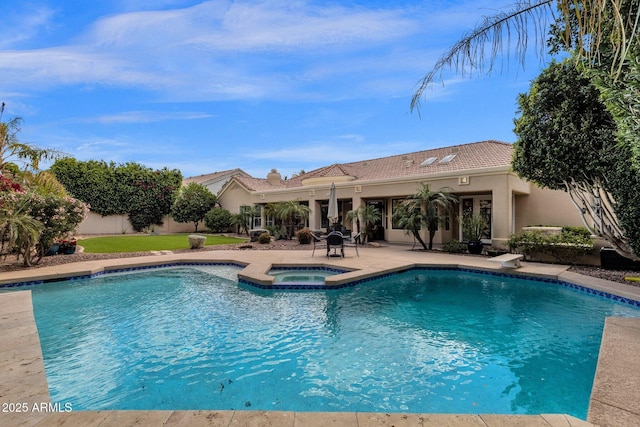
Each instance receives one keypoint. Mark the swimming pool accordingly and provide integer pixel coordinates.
(419, 341)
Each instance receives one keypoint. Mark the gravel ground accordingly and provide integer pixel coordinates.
(9, 264)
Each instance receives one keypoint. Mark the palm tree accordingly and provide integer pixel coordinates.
(12, 149)
(18, 229)
(432, 203)
(590, 27)
(291, 212)
(408, 216)
(365, 215)
(244, 219)
(424, 207)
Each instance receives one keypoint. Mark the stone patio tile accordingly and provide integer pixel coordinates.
(26, 387)
(78, 418)
(262, 419)
(9, 321)
(374, 419)
(616, 382)
(136, 418)
(18, 356)
(21, 336)
(19, 419)
(323, 419)
(556, 420)
(602, 414)
(492, 420)
(15, 302)
(452, 420)
(199, 418)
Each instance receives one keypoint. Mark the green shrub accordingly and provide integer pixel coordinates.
(277, 232)
(218, 220)
(264, 238)
(454, 247)
(565, 247)
(304, 236)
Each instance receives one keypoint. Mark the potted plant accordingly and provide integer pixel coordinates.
(68, 246)
(473, 227)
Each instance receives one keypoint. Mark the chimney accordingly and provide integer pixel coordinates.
(274, 177)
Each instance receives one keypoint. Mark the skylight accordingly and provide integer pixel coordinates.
(447, 158)
(429, 161)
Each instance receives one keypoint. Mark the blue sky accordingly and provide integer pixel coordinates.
(205, 86)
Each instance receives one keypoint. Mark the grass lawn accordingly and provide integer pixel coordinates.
(142, 243)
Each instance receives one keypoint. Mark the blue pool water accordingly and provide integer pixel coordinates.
(419, 341)
(308, 275)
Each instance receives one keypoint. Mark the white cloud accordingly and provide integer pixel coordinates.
(146, 117)
(215, 50)
(24, 24)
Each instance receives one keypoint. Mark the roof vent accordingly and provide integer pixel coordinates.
(429, 161)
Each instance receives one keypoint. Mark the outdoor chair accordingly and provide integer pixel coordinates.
(335, 240)
(353, 242)
(318, 242)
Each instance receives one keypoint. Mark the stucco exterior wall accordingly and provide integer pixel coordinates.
(119, 224)
(546, 207)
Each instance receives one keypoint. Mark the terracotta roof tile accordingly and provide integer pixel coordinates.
(207, 177)
(477, 155)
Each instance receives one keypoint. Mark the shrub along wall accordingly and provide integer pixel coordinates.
(143, 194)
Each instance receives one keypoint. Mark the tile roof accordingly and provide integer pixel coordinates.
(212, 176)
(473, 156)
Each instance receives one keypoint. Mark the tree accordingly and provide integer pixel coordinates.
(11, 149)
(565, 139)
(365, 215)
(19, 231)
(290, 213)
(218, 219)
(408, 216)
(427, 208)
(591, 28)
(146, 195)
(192, 204)
(244, 218)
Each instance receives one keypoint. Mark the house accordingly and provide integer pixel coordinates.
(216, 180)
(478, 173)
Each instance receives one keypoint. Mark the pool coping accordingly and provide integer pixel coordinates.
(23, 367)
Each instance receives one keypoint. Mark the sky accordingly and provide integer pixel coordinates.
(205, 86)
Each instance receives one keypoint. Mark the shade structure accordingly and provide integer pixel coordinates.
(332, 213)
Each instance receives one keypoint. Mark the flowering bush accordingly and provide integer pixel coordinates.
(31, 222)
(59, 215)
(6, 185)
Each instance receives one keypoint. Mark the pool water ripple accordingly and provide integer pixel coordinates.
(420, 341)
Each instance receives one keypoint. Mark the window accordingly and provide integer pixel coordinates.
(395, 203)
(429, 161)
(447, 159)
(257, 219)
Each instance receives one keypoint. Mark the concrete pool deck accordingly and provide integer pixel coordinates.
(615, 396)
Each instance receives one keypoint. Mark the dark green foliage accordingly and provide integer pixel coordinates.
(218, 220)
(565, 247)
(562, 130)
(146, 195)
(568, 139)
(454, 247)
(624, 184)
(192, 204)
